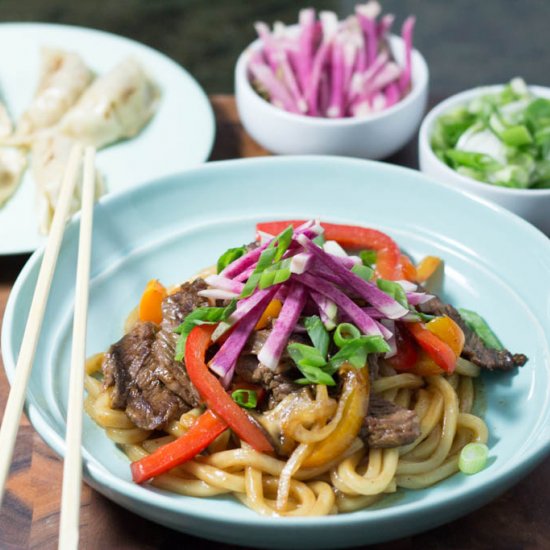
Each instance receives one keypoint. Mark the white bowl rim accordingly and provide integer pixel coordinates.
(417, 88)
(455, 101)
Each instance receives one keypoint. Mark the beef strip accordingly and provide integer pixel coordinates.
(474, 348)
(278, 383)
(388, 425)
(181, 303)
(148, 383)
(125, 359)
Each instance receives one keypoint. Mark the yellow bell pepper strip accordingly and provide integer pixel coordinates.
(436, 348)
(150, 305)
(429, 273)
(213, 393)
(426, 268)
(203, 432)
(270, 312)
(356, 390)
(448, 331)
(425, 365)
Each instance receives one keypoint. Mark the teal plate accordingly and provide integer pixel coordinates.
(496, 264)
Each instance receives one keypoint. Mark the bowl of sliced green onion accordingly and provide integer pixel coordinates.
(494, 142)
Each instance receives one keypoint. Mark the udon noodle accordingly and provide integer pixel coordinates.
(355, 480)
(387, 397)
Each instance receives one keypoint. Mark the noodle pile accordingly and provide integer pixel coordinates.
(355, 480)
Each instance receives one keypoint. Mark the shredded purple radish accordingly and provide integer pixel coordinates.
(328, 310)
(387, 305)
(223, 363)
(329, 68)
(223, 283)
(288, 317)
(309, 280)
(364, 323)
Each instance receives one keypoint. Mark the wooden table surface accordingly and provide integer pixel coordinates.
(30, 514)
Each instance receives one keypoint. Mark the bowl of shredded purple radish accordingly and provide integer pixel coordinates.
(327, 86)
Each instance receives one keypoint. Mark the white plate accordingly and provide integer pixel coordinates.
(180, 136)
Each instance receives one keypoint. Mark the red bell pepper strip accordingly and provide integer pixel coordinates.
(214, 394)
(408, 269)
(436, 348)
(388, 260)
(407, 354)
(203, 432)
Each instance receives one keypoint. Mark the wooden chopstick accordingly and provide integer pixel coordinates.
(72, 469)
(16, 399)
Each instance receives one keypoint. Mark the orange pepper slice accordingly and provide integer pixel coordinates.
(408, 269)
(448, 331)
(271, 312)
(426, 268)
(150, 305)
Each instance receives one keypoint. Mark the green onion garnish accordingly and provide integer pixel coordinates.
(393, 289)
(364, 271)
(271, 255)
(229, 256)
(481, 328)
(245, 398)
(473, 458)
(368, 257)
(311, 364)
(345, 333)
(201, 316)
(317, 333)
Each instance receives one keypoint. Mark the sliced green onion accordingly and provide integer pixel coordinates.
(282, 242)
(272, 254)
(393, 289)
(317, 333)
(201, 316)
(345, 333)
(356, 352)
(229, 256)
(364, 271)
(275, 274)
(481, 328)
(473, 458)
(311, 364)
(314, 375)
(245, 398)
(516, 136)
(368, 257)
(303, 354)
(497, 138)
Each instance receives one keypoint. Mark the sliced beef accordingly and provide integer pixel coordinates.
(148, 383)
(278, 383)
(474, 348)
(181, 303)
(125, 359)
(388, 425)
(374, 367)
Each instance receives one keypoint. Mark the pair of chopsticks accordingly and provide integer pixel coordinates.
(72, 470)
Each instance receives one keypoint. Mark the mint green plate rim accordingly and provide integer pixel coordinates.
(421, 514)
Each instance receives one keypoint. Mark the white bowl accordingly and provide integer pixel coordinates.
(375, 136)
(531, 204)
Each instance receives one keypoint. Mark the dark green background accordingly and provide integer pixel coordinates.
(466, 42)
